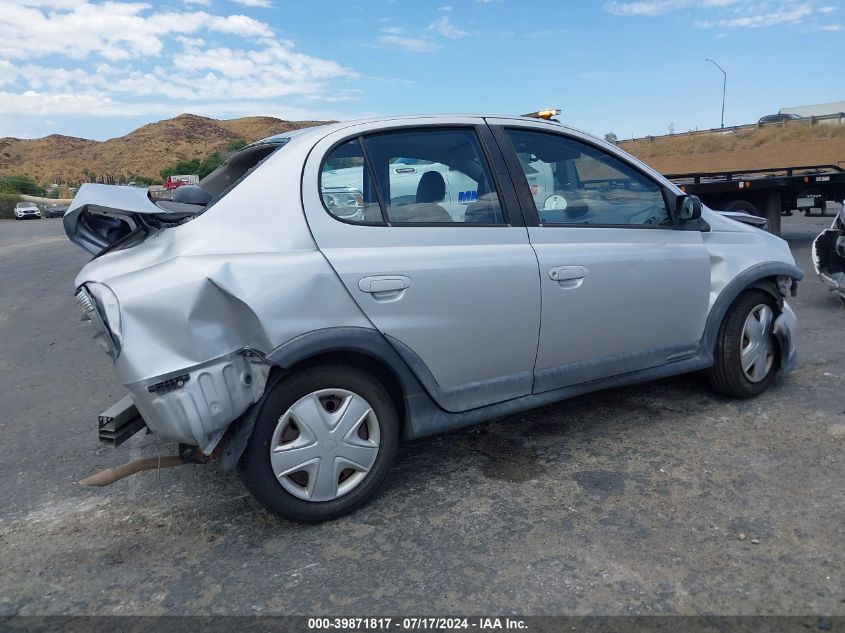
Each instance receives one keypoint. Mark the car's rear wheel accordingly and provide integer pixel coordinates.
(323, 443)
(747, 352)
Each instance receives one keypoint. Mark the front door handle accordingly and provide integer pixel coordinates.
(383, 284)
(569, 276)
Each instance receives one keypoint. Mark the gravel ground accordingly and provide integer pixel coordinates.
(652, 499)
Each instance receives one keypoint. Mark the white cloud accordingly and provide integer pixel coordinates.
(112, 30)
(789, 15)
(263, 4)
(32, 103)
(444, 26)
(411, 44)
(38, 105)
(8, 72)
(129, 59)
(417, 40)
(200, 72)
(656, 7)
(729, 14)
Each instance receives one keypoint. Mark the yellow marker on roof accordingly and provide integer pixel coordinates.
(543, 114)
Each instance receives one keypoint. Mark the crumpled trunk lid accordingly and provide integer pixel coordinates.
(101, 217)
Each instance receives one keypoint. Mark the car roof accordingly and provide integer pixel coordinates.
(328, 128)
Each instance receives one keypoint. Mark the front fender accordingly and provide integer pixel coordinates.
(762, 276)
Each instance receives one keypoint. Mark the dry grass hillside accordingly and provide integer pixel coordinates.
(768, 147)
(143, 152)
(152, 147)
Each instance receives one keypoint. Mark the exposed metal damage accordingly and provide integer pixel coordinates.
(829, 256)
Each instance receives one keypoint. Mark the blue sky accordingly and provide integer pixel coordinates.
(100, 69)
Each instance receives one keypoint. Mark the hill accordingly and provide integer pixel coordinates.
(143, 152)
(151, 148)
(768, 147)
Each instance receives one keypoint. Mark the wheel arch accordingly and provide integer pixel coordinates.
(361, 347)
(759, 277)
(360, 360)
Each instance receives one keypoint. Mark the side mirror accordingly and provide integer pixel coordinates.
(687, 208)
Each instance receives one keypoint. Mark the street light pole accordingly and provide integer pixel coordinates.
(724, 86)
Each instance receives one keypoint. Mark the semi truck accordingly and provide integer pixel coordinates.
(768, 193)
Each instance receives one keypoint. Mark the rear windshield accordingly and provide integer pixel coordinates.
(194, 199)
(238, 166)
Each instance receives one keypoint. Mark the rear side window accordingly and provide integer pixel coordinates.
(429, 176)
(574, 183)
(346, 187)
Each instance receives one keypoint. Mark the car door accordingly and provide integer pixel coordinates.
(623, 288)
(456, 293)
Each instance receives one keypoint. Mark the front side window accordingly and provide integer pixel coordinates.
(424, 176)
(577, 184)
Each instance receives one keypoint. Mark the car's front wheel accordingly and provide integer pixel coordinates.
(322, 444)
(747, 352)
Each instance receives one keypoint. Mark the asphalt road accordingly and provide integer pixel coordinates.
(626, 501)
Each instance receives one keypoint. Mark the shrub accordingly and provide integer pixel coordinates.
(20, 184)
(7, 205)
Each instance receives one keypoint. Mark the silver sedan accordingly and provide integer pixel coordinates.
(328, 293)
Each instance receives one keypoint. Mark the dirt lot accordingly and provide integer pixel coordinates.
(626, 501)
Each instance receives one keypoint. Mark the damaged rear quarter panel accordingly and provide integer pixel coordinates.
(245, 274)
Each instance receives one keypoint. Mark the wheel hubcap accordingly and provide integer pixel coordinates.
(758, 353)
(325, 444)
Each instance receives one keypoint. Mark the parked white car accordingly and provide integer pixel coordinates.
(27, 211)
(329, 292)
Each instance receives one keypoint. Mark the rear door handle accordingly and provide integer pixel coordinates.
(381, 284)
(569, 276)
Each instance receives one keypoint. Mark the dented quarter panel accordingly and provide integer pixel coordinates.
(193, 295)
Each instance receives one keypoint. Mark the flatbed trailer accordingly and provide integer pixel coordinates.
(768, 193)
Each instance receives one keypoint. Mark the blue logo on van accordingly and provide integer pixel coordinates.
(465, 197)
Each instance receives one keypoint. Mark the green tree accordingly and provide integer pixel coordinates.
(191, 166)
(234, 146)
(144, 180)
(209, 164)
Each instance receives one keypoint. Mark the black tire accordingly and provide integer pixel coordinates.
(742, 206)
(726, 375)
(255, 463)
